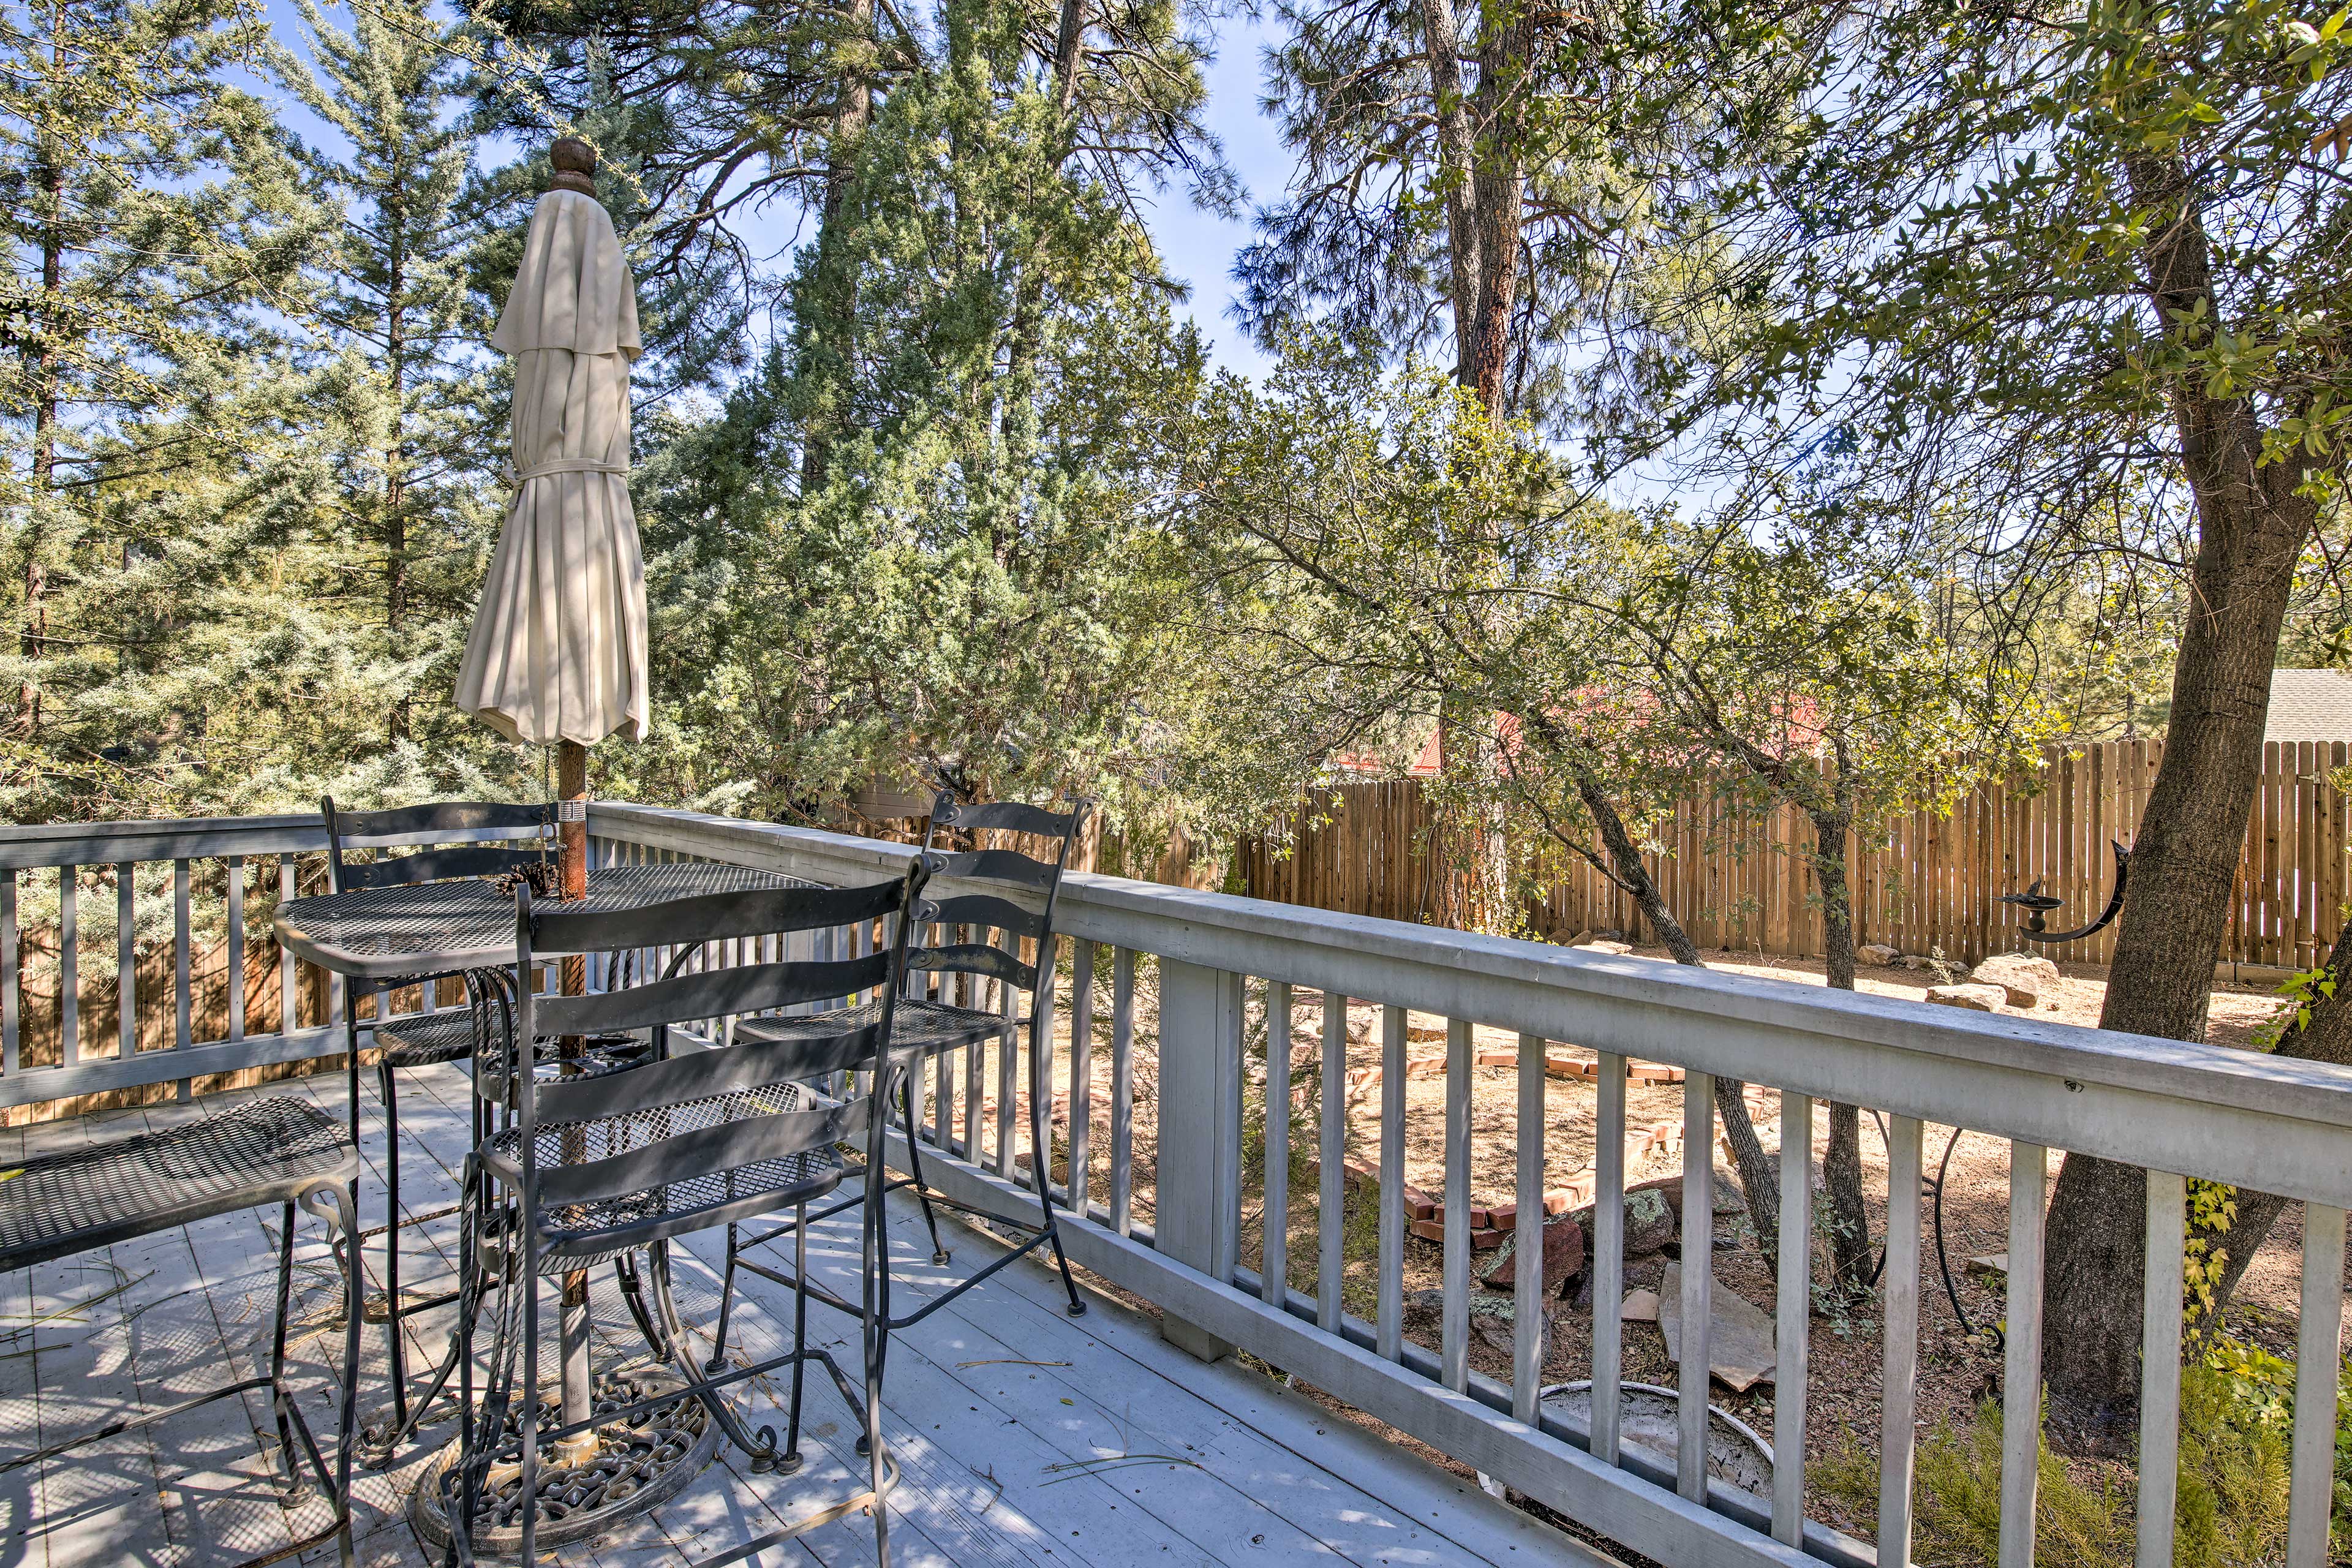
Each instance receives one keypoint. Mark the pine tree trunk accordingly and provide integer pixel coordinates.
(1757, 1177)
(1499, 197)
(2252, 526)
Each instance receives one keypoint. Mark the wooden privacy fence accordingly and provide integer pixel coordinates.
(1741, 878)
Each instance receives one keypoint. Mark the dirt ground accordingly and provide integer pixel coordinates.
(1957, 1368)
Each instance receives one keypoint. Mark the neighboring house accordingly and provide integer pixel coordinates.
(2309, 705)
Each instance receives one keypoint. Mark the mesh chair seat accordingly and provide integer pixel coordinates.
(576, 1235)
(269, 1152)
(426, 1039)
(919, 1028)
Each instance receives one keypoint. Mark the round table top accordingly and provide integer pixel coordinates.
(383, 933)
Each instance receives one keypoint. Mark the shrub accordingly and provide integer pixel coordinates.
(2232, 1512)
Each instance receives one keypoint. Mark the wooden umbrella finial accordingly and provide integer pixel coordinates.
(575, 164)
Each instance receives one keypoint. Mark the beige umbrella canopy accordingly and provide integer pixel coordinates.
(557, 652)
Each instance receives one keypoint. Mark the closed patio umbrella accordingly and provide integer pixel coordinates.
(557, 652)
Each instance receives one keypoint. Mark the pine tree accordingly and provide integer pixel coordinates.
(397, 352)
(153, 233)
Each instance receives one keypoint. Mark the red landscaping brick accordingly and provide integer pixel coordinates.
(1428, 1229)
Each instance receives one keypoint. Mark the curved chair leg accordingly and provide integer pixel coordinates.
(915, 1161)
(286, 1449)
(1041, 1163)
(396, 1349)
(761, 1448)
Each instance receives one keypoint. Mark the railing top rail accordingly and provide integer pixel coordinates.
(2274, 1124)
(178, 838)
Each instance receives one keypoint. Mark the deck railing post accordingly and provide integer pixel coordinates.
(1200, 1167)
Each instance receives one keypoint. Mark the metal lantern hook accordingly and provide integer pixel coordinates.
(2038, 903)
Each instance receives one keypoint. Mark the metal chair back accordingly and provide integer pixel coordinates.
(432, 826)
(1006, 877)
(646, 1154)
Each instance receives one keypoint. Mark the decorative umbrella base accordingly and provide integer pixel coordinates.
(640, 1462)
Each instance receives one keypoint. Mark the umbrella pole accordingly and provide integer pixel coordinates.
(571, 865)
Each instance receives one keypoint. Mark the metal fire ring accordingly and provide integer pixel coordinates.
(641, 1462)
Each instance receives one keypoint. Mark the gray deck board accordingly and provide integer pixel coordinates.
(987, 1446)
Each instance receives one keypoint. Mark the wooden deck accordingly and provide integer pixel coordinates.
(1025, 1436)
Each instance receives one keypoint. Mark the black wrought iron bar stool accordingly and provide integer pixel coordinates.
(662, 1145)
(995, 889)
(422, 1039)
(274, 1152)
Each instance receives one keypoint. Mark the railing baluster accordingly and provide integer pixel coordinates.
(1388, 1333)
(1082, 1076)
(286, 988)
(1122, 1090)
(2021, 1398)
(2159, 1368)
(1608, 1254)
(1455, 1332)
(1331, 1154)
(182, 1009)
(1527, 1305)
(1793, 1319)
(1899, 1355)
(2318, 1365)
(1698, 1280)
(11, 1000)
(1274, 1231)
(126, 960)
(236, 947)
(69, 964)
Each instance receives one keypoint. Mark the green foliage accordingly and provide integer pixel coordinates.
(2232, 1488)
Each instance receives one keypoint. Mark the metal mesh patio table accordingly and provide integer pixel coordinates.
(390, 933)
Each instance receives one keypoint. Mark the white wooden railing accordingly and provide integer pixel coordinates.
(2255, 1121)
(2234, 1116)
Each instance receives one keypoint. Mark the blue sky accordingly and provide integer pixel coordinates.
(1198, 247)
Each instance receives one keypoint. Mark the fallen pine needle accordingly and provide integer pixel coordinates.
(1009, 1360)
(1072, 1469)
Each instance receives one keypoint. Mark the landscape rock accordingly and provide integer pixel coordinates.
(1641, 1307)
(1618, 948)
(2026, 977)
(1920, 961)
(1563, 1257)
(1976, 998)
(1650, 1222)
(1728, 1199)
(1878, 954)
(1741, 1344)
